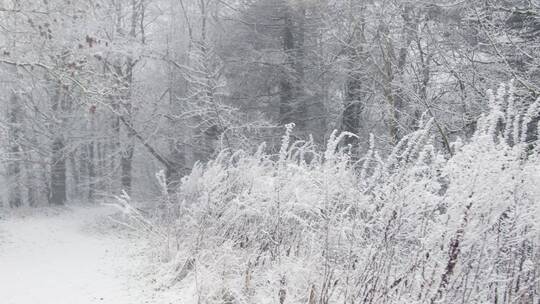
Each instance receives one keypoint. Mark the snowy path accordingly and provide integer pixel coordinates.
(65, 259)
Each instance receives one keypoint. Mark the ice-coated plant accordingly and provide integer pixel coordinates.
(418, 226)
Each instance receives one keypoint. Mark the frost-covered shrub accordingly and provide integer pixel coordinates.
(319, 227)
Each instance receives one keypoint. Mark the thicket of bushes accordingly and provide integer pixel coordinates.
(415, 227)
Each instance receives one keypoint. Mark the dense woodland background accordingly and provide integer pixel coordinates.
(99, 95)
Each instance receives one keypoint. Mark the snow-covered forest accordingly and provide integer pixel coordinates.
(269, 151)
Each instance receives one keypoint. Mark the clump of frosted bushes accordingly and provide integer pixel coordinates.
(418, 226)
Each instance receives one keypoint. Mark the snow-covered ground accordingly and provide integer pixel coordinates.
(70, 256)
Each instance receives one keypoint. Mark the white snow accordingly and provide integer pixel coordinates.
(65, 258)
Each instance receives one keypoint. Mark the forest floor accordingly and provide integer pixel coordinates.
(71, 256)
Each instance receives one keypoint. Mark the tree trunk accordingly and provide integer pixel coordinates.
(14, 166)
(286, 104)
(58, 173)
(177, 150)
(293, 107)
(126, 159)
(31, 189)
(302, 109)
(128, 150)
(91, 170)
(354, 106)
(175, 172)
(394, 67)
(126, 162)
(60, 104)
